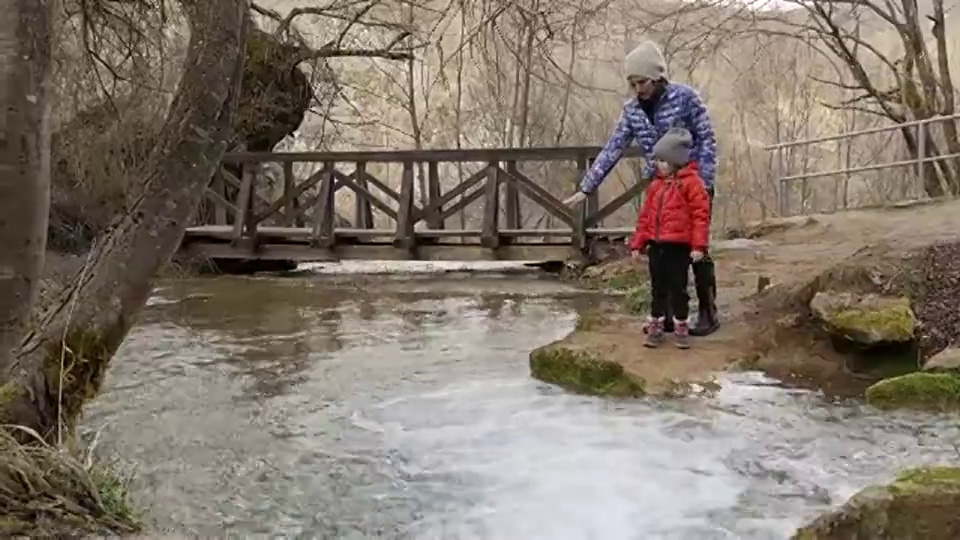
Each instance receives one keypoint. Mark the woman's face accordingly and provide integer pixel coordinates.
(642, 86)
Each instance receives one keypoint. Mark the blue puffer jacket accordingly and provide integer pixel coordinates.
(680, 106)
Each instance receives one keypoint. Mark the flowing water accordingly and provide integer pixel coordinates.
(386, 407)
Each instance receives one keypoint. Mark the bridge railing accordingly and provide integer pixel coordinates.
(306, 209)
(926, 163)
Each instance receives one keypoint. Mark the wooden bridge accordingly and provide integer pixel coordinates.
(300, 221)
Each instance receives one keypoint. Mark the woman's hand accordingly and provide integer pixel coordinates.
(575, 199)
(696, 255)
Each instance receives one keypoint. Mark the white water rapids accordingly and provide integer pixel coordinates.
(325, 407)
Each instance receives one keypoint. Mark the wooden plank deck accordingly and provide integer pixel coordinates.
(295, 243)
(300, 234)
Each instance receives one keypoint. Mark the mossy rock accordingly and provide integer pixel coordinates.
(921, 504)
(583, 373)
(867, 320)
(918, 391)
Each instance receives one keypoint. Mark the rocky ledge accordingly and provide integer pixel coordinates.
(921, 504)
(882, 321)
(605, 356)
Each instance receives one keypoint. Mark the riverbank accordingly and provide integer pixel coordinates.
(862, 252)
(857, 304)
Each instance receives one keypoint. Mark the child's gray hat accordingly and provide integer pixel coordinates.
(674, 147)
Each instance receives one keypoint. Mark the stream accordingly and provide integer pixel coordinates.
(327, 406)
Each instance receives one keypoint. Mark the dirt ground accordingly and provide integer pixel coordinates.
(795, 254)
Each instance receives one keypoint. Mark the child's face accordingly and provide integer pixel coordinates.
(664, 167)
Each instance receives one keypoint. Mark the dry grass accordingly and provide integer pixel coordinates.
(50, 492)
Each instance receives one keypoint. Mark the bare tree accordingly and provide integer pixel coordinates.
(62, 361)
(25, 65)
(915, 85)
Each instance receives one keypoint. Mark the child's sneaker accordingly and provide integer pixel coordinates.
(681, 333)
(654, 333)
(667, 326)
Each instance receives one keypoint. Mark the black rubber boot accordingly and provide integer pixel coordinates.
(705, 280)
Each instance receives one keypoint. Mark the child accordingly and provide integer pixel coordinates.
(673, 228)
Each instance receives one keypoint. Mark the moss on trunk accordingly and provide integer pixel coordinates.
(75, 368)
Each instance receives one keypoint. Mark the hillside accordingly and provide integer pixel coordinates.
(490, 75)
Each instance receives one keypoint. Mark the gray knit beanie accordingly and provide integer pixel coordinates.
(646, 61)
(674, 147)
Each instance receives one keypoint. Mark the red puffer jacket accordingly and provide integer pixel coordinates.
(676, 209)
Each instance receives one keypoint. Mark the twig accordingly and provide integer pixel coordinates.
(63, 343)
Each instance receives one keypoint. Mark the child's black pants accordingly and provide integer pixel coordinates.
(669, 264)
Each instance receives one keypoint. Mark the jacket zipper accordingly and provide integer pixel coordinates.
(656, 235)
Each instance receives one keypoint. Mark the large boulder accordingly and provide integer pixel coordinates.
(945, 361)
(939, 392)
(583, 373)
(866, 320)
(921, 504)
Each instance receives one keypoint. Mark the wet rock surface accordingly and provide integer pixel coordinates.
(583, 372)
(921, 504)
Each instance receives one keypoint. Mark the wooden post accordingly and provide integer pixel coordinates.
(489, 232)
(433, 194)
(362, 212)
(244, 233)
(511, 201)
(291, 202)
(405, 235)
(762, 283)
(219, 211)
(324, 211)
(593, 200)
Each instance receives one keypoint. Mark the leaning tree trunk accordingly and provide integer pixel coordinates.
(275, 99)
(63, 361)
(25, 59)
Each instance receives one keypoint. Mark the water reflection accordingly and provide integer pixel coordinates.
(305, 408)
